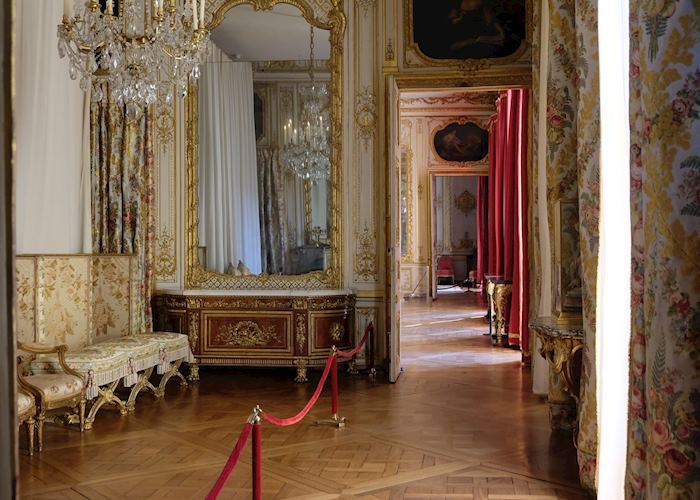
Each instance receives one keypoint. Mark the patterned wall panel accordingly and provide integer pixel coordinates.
(111, 293)
(26, 296)
(64, 305)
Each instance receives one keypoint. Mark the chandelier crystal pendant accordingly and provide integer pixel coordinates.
(306, 145)
(145, 50)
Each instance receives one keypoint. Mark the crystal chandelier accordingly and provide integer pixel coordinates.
(306, 149)
(144, 50)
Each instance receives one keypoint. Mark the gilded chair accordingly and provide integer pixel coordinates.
(64, 389)
(26, 411)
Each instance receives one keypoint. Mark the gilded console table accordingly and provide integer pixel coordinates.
(499, 291)
(294, 330)
(561, 345)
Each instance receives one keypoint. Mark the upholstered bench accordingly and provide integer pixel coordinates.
(173, 349)
(92, 304)
(101, 367)
(143, 354)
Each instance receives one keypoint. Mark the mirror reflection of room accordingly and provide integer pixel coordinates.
(264, 148)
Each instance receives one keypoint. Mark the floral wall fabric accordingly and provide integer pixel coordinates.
(573, 141)
(76, 299)
(664, 419)
(63, 305)
(123, 191)
(25, 276)
(588, 169)
(112, 293)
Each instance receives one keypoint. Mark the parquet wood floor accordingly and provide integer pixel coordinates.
(460, 423)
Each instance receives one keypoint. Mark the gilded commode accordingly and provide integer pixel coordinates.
(260, 331)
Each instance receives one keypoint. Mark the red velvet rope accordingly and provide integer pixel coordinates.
(230, 463)
(358, 347)
(283, 422)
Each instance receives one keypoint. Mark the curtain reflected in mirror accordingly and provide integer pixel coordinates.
(264, 196)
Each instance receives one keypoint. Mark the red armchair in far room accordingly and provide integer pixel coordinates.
(445, 269)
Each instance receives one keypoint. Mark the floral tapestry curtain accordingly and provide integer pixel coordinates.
(123, 190)
(588, 180)
(272, 221)
(573, 140)
(664, 410)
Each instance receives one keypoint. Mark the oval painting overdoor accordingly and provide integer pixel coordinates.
(461, 142)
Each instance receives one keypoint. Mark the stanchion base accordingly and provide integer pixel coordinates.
(334, 421)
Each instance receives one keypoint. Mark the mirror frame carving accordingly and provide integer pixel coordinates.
(195, 275)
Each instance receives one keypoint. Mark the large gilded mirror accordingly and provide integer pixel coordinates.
(264, 150)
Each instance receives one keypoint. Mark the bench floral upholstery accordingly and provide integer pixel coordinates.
(92, 304)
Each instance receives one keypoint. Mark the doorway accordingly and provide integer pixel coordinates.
(454, 234)
(441, 140)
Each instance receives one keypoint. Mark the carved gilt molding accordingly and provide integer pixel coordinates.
(322, 14)
(245, 334)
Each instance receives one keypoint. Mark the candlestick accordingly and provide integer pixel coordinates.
(201, 12)
(66, 9)
(195, 22)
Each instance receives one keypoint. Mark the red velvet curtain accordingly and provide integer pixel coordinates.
(507, 216)
(482, 224)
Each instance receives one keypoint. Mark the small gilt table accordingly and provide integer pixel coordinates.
(561, 345)
(498, 290)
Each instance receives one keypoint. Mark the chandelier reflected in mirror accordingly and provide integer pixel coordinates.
(306, 145)
(145, 50)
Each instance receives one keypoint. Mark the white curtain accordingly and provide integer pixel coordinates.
(540, 370)
(613, 309)
(294, 204)
(229, 211)
(52, 210)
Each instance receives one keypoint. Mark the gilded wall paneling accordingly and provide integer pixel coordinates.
(388, 34)
(365, 268)
(166, 181)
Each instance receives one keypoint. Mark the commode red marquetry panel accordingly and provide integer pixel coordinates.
(294, 330)
(246, 334)
(328, 330)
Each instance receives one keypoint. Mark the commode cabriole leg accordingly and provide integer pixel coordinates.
(352, 367)
(301, 377)
(194, 372)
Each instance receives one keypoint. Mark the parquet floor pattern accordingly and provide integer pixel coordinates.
(460, 423)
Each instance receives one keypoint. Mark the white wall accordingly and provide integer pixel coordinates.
(50, 206)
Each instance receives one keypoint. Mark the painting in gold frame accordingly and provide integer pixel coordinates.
(467, 33)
